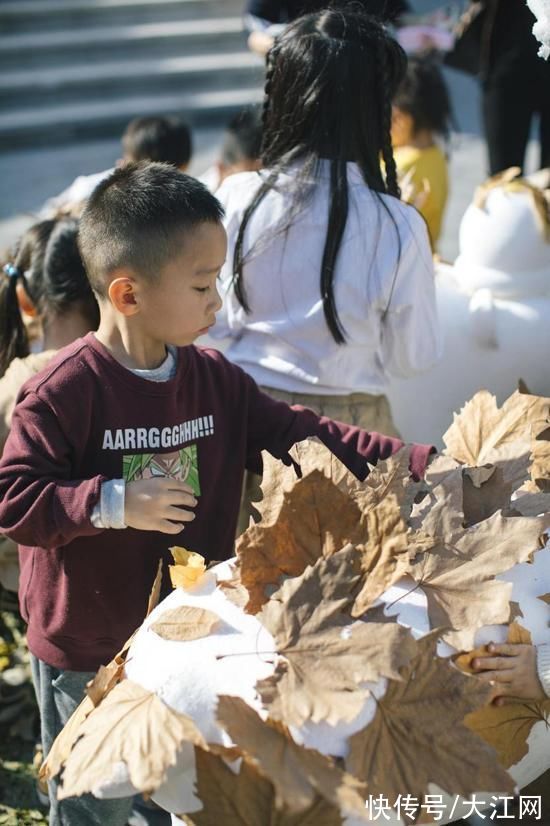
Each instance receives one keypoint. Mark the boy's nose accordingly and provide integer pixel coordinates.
(217, 303)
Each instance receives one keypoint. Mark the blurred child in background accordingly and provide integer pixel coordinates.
(421, 116)
(46, 281)
(240, 149)
(164, 139)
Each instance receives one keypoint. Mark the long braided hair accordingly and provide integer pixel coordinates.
(329, 84)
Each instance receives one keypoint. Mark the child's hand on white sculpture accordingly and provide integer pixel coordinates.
(511, 668)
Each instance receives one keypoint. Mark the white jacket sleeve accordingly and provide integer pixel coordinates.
(411, 336)
(543, 666)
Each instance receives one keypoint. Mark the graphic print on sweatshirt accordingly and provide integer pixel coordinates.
(182, 464)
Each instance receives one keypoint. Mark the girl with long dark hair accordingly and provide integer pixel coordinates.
(328, 285)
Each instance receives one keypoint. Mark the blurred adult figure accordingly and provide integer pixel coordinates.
(515, 81)
(265, 19)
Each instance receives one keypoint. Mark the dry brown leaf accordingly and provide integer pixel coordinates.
(392, 477)
(540, 456)
(545, 598)
(154, 596)
(132, 726)
(384, 556)
(304, 519)
(235, 592)
(109, 675)
(482, 433)
(438, 519)
(465, 659)
(65, 740)
(388, 476)
(315, 519)
(298, 774)
(461, 590)
(247, 799)
(484, 495)
(184, 623)
(530, 504)
(322, 669)
(506, 728)
(418, 737)
(105, 680)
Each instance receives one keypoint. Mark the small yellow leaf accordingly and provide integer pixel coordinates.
(189, 568)
(185, 623)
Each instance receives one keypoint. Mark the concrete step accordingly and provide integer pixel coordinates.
(53, 87)
(34, 127)
(76, 47)
(41, 15)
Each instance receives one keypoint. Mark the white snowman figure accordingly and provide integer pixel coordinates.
(494, 305)
(541, 29)
(222, 677)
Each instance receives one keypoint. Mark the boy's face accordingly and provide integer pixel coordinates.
(181, 304)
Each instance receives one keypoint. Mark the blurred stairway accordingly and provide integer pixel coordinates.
(72, 69)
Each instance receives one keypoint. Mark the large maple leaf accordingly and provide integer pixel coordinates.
(298, 774)
(482, 433)
(438, 519)
(507, 727)
(540, 457)
(305, 518)
(418, 736)
(133, 726)
(247, 798)
(390, 475)
(325, 658)
(385, 553)
(461, 588)
(315, 519)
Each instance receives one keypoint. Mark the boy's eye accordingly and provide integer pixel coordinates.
(202, 289)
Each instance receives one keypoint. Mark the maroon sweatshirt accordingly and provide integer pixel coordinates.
(86, 419)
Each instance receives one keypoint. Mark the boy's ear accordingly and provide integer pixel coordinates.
(122, 295)
(25, 303)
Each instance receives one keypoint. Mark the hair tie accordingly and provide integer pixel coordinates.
(12, 271)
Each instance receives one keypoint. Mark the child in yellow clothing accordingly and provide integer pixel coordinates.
(421, 112)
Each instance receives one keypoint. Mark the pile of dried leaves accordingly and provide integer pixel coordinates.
(312, 571)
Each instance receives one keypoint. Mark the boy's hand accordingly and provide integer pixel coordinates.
(512, 669)
(160, 504)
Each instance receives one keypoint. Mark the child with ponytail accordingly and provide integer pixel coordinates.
(328, 283)
(46, 281)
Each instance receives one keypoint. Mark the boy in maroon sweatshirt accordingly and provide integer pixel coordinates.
(133, 435)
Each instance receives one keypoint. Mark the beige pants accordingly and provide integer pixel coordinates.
(359, 409)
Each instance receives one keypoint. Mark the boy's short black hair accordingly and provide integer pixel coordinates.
(423, 95)
(243, 137)
(162, 139)
(137, 218)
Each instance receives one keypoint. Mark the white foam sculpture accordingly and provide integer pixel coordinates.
(188, 676)
(494, 307)
(541, 29)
